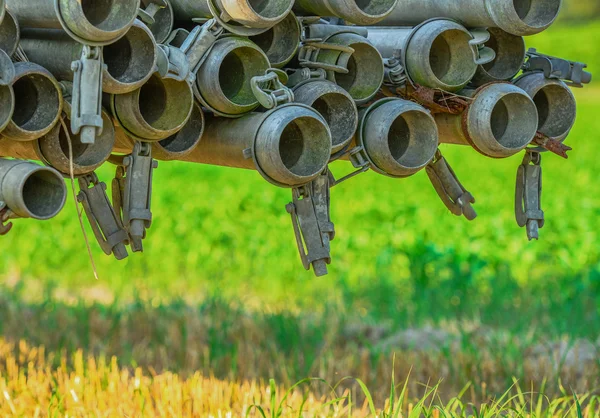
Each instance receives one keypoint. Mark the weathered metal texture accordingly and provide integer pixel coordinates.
(164, 20)
(235, 15)
(359, 12)
(365, 65)
(500, 121)
(130, 61)
(30, 190)
(2, 9)
(7, 98)
(518, 17)
(176, 146)
(223, 81)
(437, 54)
(399, 137)
(280, 43)
(510, 55)
(93, 22)
(9, 33)
(155, 111)
(556, 105)
(289, 145)
(7, 69)
(335, 105)
(38, 103)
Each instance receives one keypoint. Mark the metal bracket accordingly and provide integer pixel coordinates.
(481, 53)
(453, 194)
(147, 15)
(199, 43)
(86, 112)
(269, 89)
(311, 219)
(132, 193)
(358, 157)
(571, 72)
(105, 224)
(528, 195)
(394, 71)
(300, 76)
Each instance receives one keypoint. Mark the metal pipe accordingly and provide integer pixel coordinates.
(2, 9)
(129, 62)
(7, 69)
(500, 121)
(223, 81)
(38, 103)
(289, 145)
(30, 190)
(365, 65)
(437, 54)
(280, 43)
(335, 105)
(176, 146)
(248, 13)
(517, 17)
(399, 137)
(555, 103)
(359, 12)
(155, 111)
(9, 33)
(163, 21)
(7, 98)
(92, 22)
(510, 55)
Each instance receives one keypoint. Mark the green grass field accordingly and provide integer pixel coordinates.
(220, 288)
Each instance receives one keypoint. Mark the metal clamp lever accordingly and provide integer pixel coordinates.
(310, 211)
(557, 68)
(445, 182)
(394, 71)
(269, 89)
(199, 42)
(132, 193)
(303, 75)
(309, 51)
(528, 194)
(105, 224)
(86, 112)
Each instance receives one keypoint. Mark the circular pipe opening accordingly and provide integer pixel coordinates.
(189, 136)
(375, 7)
(365, 66)
(109, 15)
(269, 9)
(451, 57)
(37, 102)
(556, 110)
(510, 54)
(164, 104)
(164, 20)
(511, 125)
(236, 71)
(130, 59)
(43, 193)
(280, 42)
(304, 146)
(537, 13)
(340, 114)
(412, 139)
(9, 34)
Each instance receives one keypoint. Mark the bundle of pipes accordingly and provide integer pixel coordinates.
(280, 88)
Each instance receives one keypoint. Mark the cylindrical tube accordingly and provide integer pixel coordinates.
(9, 33)
(290, 144)
(31, 190)
(499, 122)
(164, 20)
(130, 61)
(38, 103)
(365, 66)
(280, 43)
(249, 13)
(360, 12)
(2, 9)
(94, 22)
(335, 105)
(174, 147)
(7, 69)
(399, 137)
(518, 17)
(437, 54)
(555, 103)
(7, 98)
(510, 55)
(224, 79)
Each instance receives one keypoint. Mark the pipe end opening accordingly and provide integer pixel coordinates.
(451, 58)
(340, 114)
(537, 13)
(37, 102)
(186, 139)
(131, 59)
(556, 110)
(44, 194)
(510, 54)
(304, 146)
(376, 7)
(270, 9)
(365, 72)
(412, 139)
(165, 103)
(109, 15)
(236, 72)
(513, 121)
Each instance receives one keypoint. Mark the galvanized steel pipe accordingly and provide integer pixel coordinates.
(7, 98)
(164, 20)
(129, 62)
(9, 33)
(510, 55)
(93, 22)
(555, 103)
(280, 43)
(518, 17)
(359, 12)
(30, 190)
(499, 122)
(289, 145)
(436, 55)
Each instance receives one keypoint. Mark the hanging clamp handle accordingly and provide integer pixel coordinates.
(86, 112)
(311, 219)
(101, 215)
(309, 52)
(453, 194)
(5, 215)
(199, 43)
(572, 72)
(269, 89)
(528, 195)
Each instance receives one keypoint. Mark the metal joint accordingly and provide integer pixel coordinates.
(481, 53)
(311, 219)
(86, 109)
(309, 51)
(528, 195)
(147, 15)
(571, 72)
(172, 61)
(199, 43)
(450, 190)
(303, 75)
(269, 89)
(394, 72)
(107, 228)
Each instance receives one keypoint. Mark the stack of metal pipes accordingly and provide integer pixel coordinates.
(274, 86)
